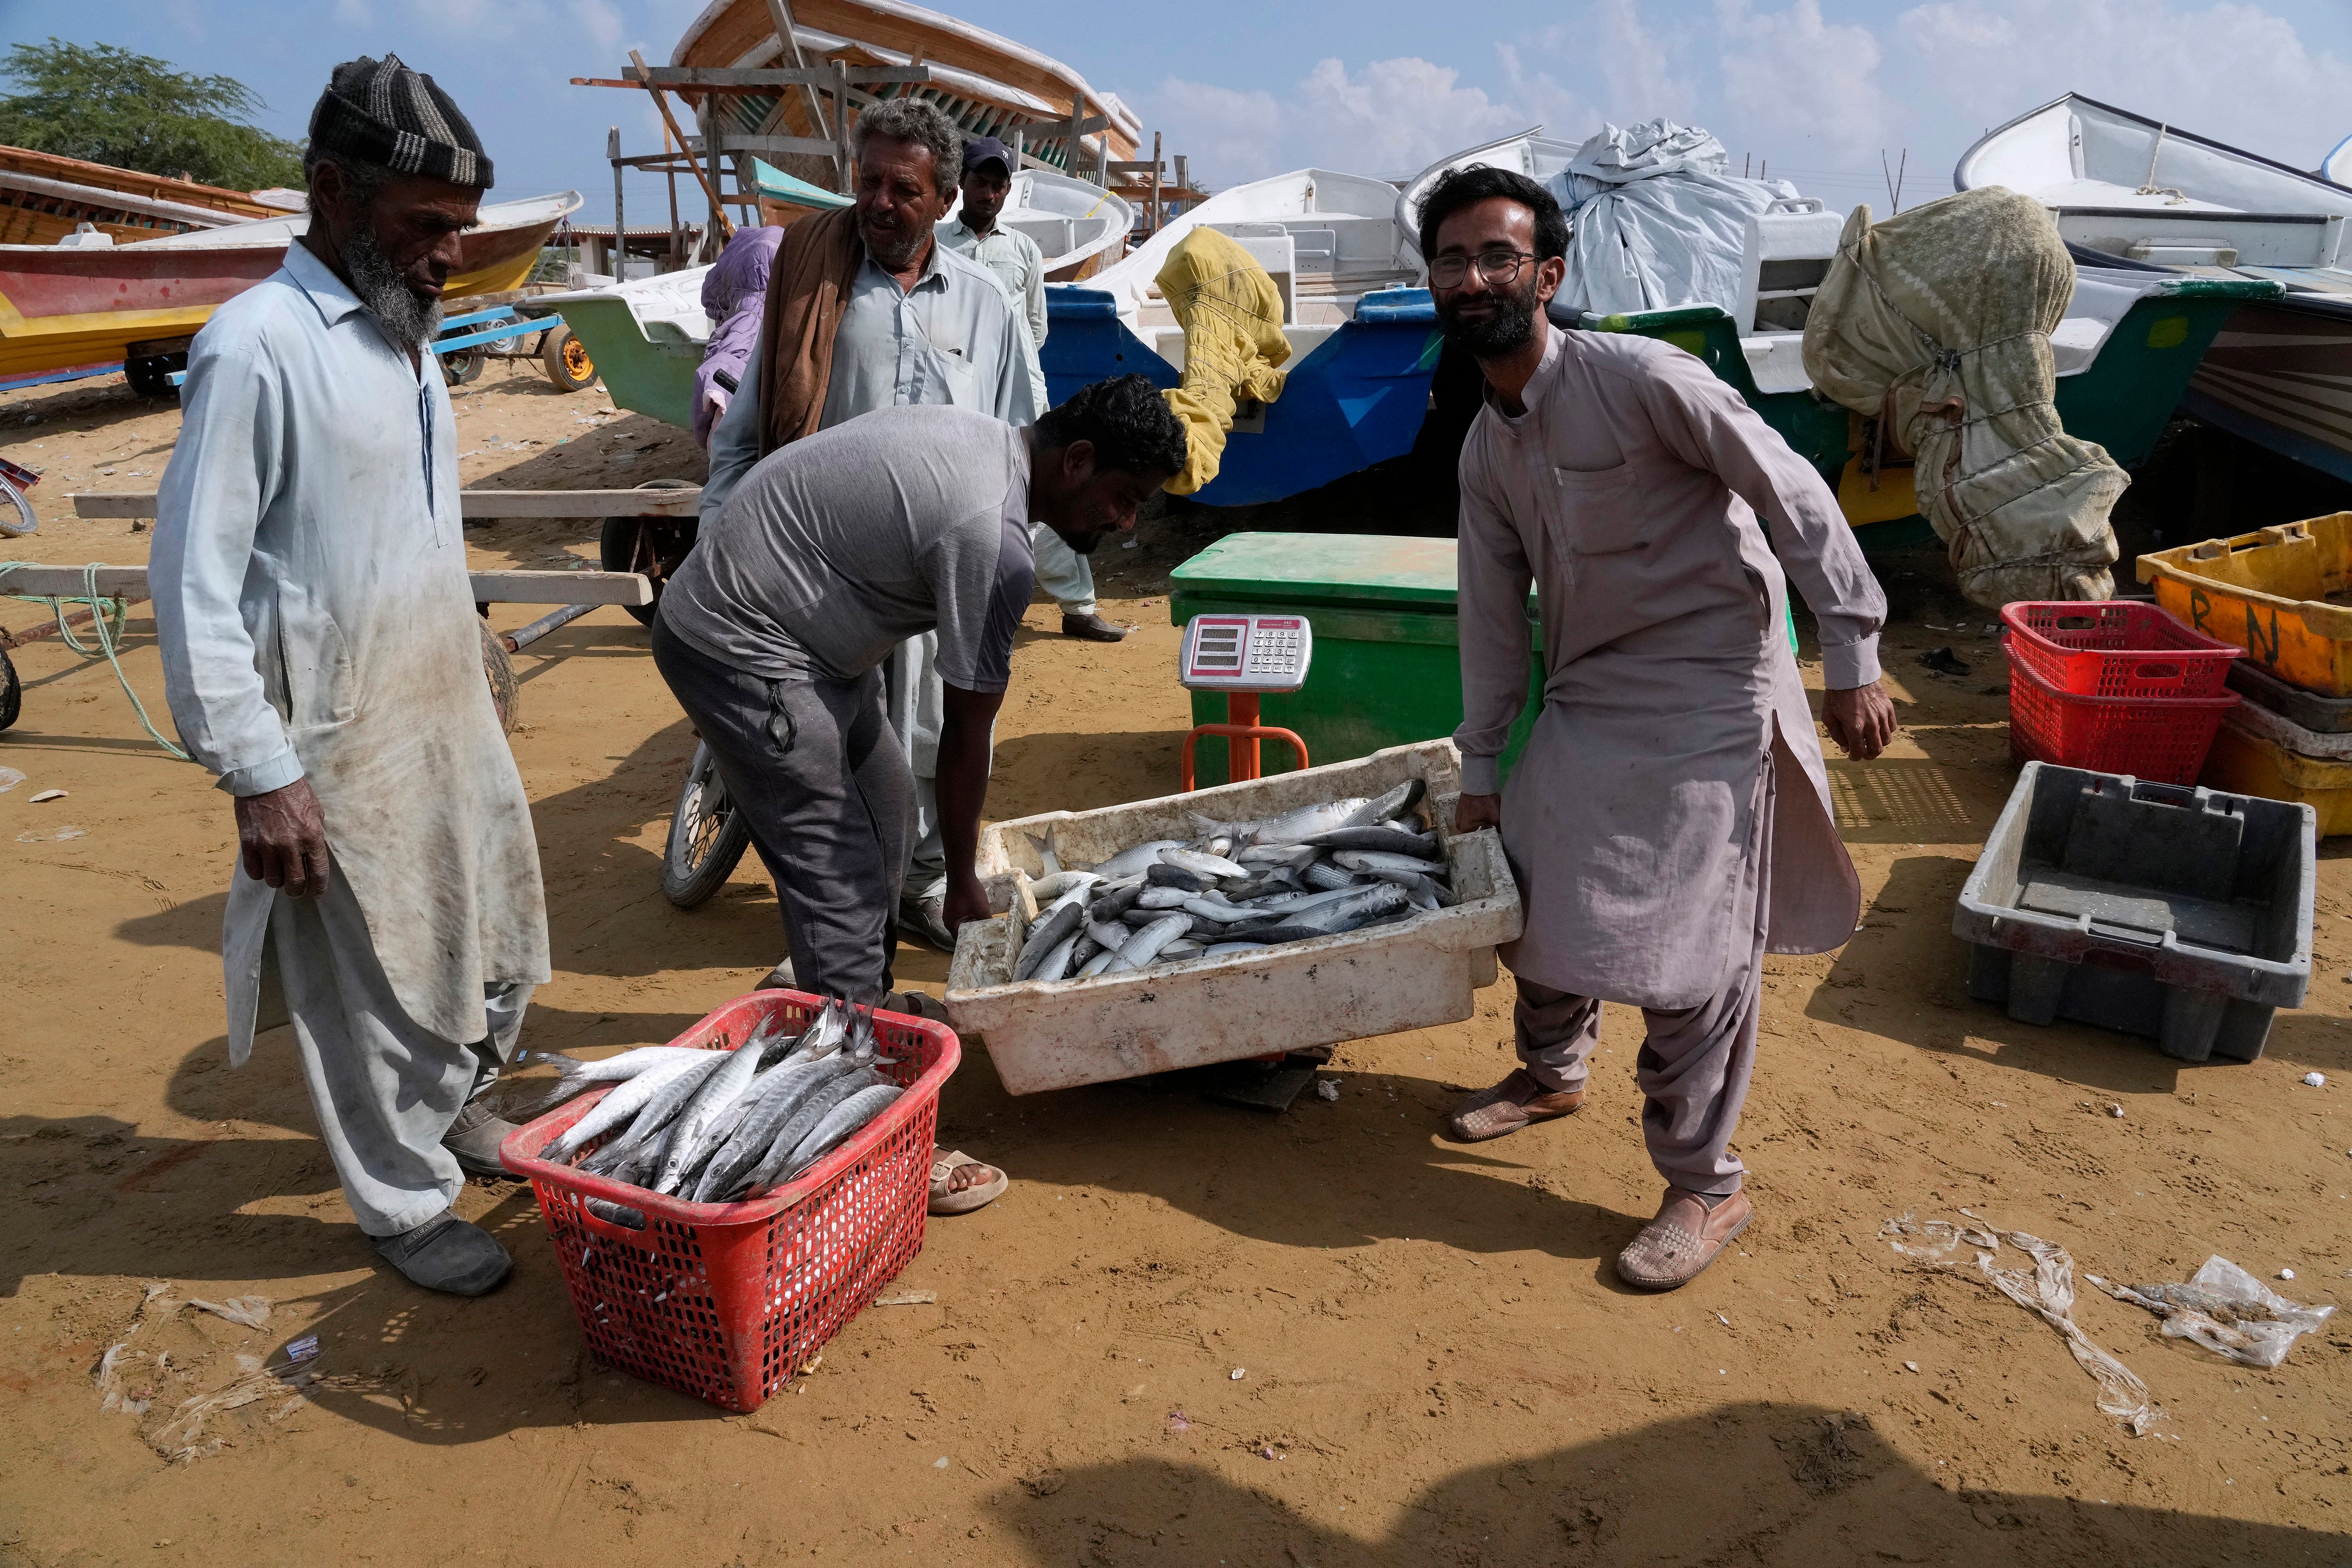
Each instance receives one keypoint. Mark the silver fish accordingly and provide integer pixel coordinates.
(1134, 862)
(1068, 912)
(1108, 933)
(573, 1076)
(805, 1120)
(1327, 878)
(701, 1113)
(1097, 965)
(625, 1102)
(1055, 884)
(1056, 963)
(1145, 945)
(1377, 903)
(1049, 859)
(1380, 836)
(1427, 893)
(1223, 913)
(1376, 861)
(1227, 948)
(1212, 867)
(653, 1125)
(839, 1124)
(771, 1102)
(1161, 898)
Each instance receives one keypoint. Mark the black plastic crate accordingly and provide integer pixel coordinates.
(2161, 909)
(2322, 715)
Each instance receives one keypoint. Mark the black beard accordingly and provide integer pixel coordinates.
(408, 320)
(1505, 333)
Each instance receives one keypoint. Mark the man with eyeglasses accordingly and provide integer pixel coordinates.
(1669, 822)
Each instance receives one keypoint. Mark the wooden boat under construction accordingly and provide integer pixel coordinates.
(988, 84)
(45, 197)
(65, 307)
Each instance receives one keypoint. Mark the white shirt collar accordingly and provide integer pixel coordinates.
(331, 296)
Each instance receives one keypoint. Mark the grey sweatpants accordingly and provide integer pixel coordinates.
(1694, 1063)
(822, 784)
(385, 1089)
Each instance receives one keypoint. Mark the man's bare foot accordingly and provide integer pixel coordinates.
(960, 1184)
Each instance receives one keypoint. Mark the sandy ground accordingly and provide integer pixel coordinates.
(1386, 1349)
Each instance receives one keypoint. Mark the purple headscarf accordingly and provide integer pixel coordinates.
(734, 293)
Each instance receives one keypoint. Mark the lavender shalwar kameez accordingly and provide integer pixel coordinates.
(1670, 820)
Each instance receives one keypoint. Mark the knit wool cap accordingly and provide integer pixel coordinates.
(381, 112)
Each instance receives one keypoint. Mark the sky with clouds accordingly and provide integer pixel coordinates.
(1818, 89)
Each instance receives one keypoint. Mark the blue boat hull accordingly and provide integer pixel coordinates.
(1358, 399)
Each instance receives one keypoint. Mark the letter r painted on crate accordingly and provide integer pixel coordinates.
(2264, 649)
(2197, 605)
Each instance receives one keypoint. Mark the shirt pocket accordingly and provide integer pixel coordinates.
(314, 664)
(1602, 508)
(958, 379)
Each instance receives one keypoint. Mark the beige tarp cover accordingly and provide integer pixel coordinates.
(1232, 317)
(1937, 321)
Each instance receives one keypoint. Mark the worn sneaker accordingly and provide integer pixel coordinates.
(925, 921)
(474, 1138)
(448, 1254)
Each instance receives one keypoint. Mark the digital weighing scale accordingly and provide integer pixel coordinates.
(1243, 657)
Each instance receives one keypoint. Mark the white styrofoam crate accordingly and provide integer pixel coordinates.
(1410, 975)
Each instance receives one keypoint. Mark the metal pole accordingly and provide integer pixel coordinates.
(841, 125)
(1155, 181)
(620, 244)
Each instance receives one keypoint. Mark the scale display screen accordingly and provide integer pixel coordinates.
(1246, 653)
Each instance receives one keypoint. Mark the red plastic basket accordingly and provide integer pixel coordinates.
(2160, 739)
(726, 1302)
(2115, 648)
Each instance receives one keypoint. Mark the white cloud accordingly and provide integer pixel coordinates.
(1643, 79)
(2235, 72)
(1789, 74)
(1392, 116)
(599, 21)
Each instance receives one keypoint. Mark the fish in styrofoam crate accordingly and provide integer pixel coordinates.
(1414, 966)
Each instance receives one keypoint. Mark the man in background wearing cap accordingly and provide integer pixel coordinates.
(323, 656)
(1020, 267)
(866, 309)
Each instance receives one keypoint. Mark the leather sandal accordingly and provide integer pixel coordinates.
(1092, 627)
(1518, 1101)
(1676, 1247)
(448, 1254)
(945, 1199)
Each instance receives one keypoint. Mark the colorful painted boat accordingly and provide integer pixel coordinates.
(62, 306)
(2151, 194)
(1363, 339)
(990, 85)
(45, 197)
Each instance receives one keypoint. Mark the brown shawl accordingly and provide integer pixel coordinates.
(808, 288)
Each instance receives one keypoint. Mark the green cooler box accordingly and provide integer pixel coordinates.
(1386, 668)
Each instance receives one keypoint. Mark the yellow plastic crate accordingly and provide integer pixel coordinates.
(2273, 592)
(2244, 764)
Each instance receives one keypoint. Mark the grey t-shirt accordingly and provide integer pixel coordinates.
(837, 548)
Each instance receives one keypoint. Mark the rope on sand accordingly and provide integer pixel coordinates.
(107, 614)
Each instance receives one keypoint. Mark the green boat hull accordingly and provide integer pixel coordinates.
(2122, 401)
(643, 375)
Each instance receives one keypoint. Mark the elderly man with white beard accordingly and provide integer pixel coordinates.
(321, 656)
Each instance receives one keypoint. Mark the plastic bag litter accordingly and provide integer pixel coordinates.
(252, 1311)
(2227, 1310)
(2047, 1289)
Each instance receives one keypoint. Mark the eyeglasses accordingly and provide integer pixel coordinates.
(1494, 266)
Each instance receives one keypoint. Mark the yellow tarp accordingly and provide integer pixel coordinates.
(1232, 317)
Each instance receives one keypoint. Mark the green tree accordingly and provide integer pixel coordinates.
(111, 106)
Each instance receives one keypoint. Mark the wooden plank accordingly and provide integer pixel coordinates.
(69, 579)
(825, 148)
(677, 77)
(561, 588)
(709, 186)
(489, 587)
(474, 503)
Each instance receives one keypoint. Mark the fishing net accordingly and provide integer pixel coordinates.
(1937, 324)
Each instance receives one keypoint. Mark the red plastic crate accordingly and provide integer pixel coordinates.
(2115, 648)
(726, 1302)
(2161, 740)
